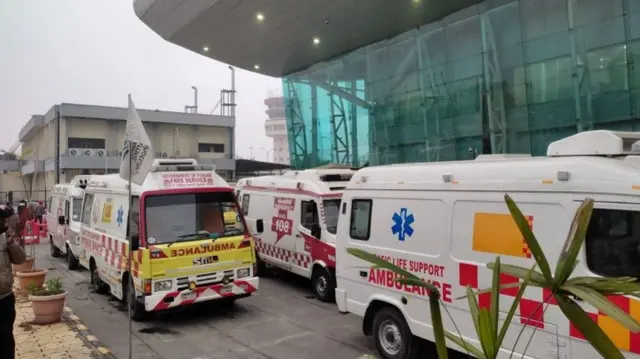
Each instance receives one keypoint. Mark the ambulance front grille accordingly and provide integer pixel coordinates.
(206, 279)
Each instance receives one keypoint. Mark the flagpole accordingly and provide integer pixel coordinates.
(131, 292)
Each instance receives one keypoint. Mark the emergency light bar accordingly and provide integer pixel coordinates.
(183, 168)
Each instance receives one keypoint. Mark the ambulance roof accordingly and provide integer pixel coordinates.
(316, 181)
(164, 174)
(601, 168)
(74, 188)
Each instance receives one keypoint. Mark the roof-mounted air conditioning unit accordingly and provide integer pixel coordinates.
(101, 153)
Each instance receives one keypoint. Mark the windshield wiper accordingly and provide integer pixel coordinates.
(184, 236)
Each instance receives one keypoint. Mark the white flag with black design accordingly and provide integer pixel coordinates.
(137, 153)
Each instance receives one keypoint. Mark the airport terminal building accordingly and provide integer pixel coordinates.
(383, 82)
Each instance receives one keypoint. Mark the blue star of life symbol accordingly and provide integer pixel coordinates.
(120, 214)
(402, 224)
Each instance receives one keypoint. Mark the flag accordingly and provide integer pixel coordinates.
(140, 153)
(498, 233)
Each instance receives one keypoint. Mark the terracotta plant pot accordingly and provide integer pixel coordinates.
(31, 278)
(47, 309)
(28, 264)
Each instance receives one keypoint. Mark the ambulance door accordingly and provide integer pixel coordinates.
(65, 229)
(611, 249)
(308, 233)
(279, 235)
(60, 228)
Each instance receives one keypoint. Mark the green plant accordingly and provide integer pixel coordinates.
(563, 289)
(51, 287)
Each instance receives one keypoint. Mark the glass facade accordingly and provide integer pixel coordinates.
(504, 76)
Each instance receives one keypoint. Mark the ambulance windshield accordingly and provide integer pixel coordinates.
(194, 216)
(77, 209)
(331, 209)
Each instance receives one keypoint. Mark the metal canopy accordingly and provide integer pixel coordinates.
(282, 43)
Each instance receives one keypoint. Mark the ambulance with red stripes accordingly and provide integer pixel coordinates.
(63, 219)
(445, 221)
(184, 251)
(301, 212)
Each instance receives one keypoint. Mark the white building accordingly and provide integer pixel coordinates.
(73, 139)
(276, 128)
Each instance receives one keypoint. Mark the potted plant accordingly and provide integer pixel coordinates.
(48, 301)
(31, 278)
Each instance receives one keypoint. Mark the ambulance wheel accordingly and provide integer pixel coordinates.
(323, 284)
(72, 261)
(97, 284)
(392, 335)
(55, 252)
(261, 266)
(138, 312)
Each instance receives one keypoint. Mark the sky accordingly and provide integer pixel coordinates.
(98, 51)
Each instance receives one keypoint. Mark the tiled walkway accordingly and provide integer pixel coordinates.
(55, 341)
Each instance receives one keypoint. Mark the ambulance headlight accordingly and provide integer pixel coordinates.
(162, 286)
(243, 273)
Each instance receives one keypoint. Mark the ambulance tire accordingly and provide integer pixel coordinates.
(324, 286)
(72, 262)
(138, 312)
(261, 266)
(392, 335)
(55, 251)
(97, 284)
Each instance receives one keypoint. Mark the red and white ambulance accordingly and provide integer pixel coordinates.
(184, 249)
(300, 209)
(63, 219)
(445, 221)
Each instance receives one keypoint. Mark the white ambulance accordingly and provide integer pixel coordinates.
(63, 219)
(445, 221)
(185, 249)
(301, 212)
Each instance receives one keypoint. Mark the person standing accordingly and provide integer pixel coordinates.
(10, 253)
(39, 211)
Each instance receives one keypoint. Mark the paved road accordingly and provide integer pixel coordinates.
(282, 321)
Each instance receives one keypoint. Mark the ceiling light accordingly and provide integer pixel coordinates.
(205, 48)
(257, 67)
(259, 16)
(316, 40)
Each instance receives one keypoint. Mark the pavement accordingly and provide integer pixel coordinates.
(62, 340)
(283, 320)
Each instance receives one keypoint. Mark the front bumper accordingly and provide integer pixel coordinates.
(167, 300)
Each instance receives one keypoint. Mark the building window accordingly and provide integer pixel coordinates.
(211, 147)
(78, 142)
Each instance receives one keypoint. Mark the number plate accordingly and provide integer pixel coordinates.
(226, 289)
(188, 296)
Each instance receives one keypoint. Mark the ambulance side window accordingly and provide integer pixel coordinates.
(360, 226)
(613, 243)
(86, 208)
(245, 204)
(309, 214)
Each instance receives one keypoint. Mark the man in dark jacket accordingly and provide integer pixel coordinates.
(10, 253)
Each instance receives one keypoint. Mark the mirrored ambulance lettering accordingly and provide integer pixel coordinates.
(216, 247)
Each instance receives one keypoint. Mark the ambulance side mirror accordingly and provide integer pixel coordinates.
(135, 242)
(61, 220)
(260, 226)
